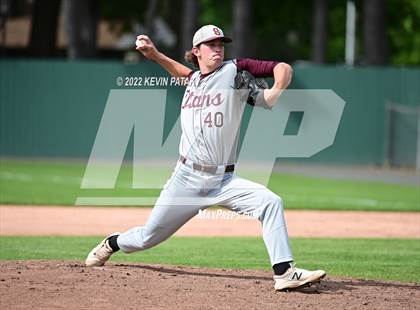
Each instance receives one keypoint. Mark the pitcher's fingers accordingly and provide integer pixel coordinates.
(141, 48)
(144, 37)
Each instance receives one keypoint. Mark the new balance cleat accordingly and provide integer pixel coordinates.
(99, 254)
(295, 278)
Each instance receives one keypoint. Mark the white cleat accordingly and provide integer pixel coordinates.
(295, 278)
(99, 254)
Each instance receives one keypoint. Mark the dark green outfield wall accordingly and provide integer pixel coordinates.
(53, 108)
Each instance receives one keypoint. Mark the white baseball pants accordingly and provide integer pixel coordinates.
(188, 191)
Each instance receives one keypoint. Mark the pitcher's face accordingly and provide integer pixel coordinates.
(210, 54)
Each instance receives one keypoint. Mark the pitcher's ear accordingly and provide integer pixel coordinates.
(196, 51)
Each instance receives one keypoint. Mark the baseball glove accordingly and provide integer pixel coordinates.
(245, 80)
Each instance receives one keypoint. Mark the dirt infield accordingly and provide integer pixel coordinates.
(68, 221)
(68, 285)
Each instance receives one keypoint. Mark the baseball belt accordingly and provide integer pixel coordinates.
(212, 169)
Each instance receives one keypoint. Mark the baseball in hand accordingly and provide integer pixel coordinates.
(140, 43)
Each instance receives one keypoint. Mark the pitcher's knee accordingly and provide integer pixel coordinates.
(278, 201)
(152, 239)
(270, 198)
(272, 206)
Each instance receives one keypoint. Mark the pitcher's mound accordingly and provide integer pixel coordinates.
(70, 285)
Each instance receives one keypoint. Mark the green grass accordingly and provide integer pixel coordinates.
(380, 259)
(327, 194)
(58, 183)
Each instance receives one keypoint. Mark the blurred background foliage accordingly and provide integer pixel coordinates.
(268, 29)
(282, 29)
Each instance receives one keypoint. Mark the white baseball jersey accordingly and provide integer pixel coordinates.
(211, 115)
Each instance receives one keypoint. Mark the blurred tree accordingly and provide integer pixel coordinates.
(319, 31)
(283, 30)
(123, 13)
(374, 32)
(5, 11)
(81, 20)
(189, 24)
(167, 24)
(217, 13)
(242, 36)
(150, 17)
(43, 35)
(336, 32)
(403, 31)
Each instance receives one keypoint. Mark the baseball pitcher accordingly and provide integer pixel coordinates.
(211, 113)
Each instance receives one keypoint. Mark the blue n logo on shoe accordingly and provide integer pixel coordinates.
(295, 275)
